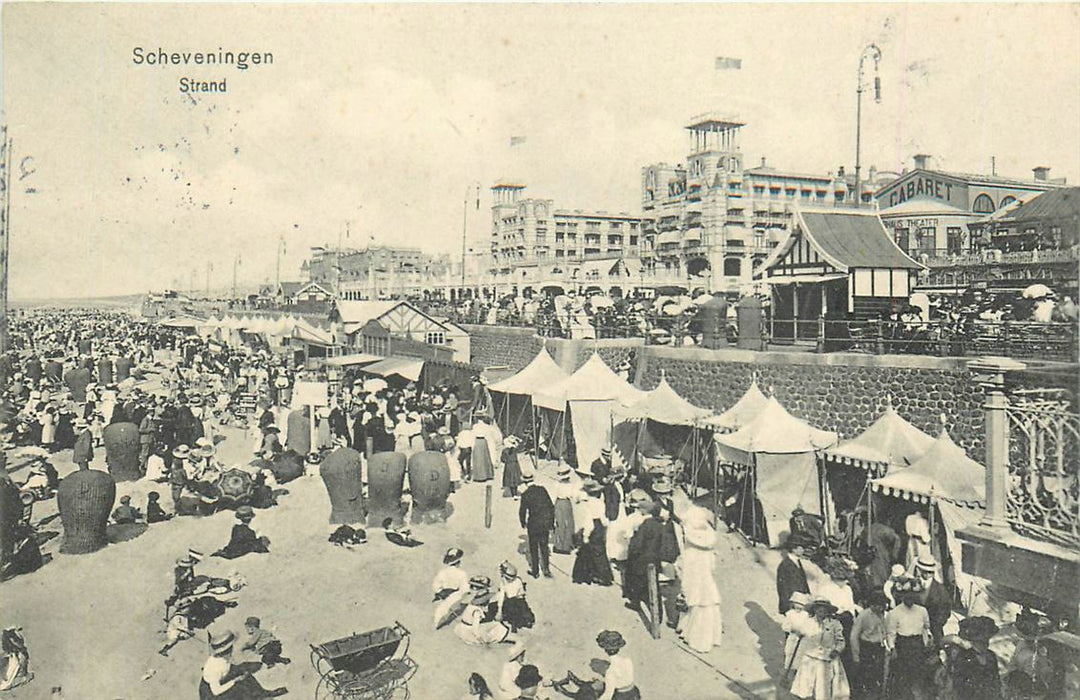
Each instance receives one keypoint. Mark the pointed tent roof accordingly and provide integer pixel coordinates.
(776, 431)
(890, 442)
(744, 410)
(593, 381)
(944, 472)
(664, 405)
(541, 372)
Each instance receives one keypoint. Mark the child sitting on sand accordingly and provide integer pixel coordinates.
(264, 643)
(125, 514)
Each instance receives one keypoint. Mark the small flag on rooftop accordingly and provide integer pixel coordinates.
(724, 63)
(516, 140)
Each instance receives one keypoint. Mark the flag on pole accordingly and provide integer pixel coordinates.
(724, 63)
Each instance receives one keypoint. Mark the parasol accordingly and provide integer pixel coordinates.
(236, 485)
(374, 384)
(1037, 291)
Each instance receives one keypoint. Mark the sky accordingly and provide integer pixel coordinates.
(382, 118)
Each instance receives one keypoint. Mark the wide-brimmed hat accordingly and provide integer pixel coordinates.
(222, 643)
(479, 583)
(979, 628)
(926, 562)
(563, 473)
(605, 451)
(799, 598)
(192, 558)
(181, 452)
(821, 603)
(508, 569)
(610, 640)
(245, 513)
(443, 430)
(515, 651)
(908, 585)
(204, 442)
(511, 441)
(592, 486)
(207, 451)
(452, 556)
(662, 485)
(312, 458)
(526, 478)
(528, 677)
(897, 571)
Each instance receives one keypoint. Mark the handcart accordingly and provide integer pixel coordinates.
(371, 665)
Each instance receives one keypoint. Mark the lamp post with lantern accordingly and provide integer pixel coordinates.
(874, 53)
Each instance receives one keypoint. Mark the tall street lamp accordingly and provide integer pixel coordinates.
(464, 224)
(872, 52)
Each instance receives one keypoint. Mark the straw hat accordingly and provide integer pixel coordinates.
(221, 644)
(605, 452)
(182, 452)
(204, 442)
(245, 513)
(508, 570)
(452, 556)
(799, 598)
(479, 583)
(515, 651)
(897, 571)
(662, 485)
(926, 562)
(563, 474)
(592, 486)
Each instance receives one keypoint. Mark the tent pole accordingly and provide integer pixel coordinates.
(535, 435)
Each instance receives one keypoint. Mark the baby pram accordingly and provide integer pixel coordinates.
(371, 665)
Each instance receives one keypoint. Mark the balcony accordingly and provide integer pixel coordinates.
(941, 257)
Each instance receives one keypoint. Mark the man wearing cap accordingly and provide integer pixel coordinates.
(537, 516)
(934, 597)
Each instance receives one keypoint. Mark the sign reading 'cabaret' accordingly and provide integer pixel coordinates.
(924, 186)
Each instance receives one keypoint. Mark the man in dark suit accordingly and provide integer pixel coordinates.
(935, 597)
(537, 515)
(790, 575)
(644, 550)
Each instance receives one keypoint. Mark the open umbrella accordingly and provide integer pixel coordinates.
(374, 384)
(236, 485)
(1037, 291)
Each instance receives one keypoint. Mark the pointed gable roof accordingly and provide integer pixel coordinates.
(539, 373)
(744, 410)
(890, 442)
(593, 381)
(776, 431)
(664, 405)
(943, 472)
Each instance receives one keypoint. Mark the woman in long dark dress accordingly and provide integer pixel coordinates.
(511, 478)
(591, 564)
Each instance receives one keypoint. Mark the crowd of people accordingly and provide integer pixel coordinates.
(875, 627)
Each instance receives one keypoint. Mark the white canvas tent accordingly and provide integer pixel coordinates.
(660, 423)
(512, 397)
(776, 452)
(744, 411)
(950, 488)
(889, 443)
(589, 394)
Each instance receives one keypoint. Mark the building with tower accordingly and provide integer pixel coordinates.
(710, 223)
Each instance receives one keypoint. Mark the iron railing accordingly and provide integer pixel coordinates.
(1043, 485)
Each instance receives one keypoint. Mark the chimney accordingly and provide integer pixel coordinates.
(763, 161)
(1042, 173)
(922, 161)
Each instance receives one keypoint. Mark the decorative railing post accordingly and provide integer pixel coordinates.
(990, 373)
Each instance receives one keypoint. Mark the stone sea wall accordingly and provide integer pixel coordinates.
(841, 392)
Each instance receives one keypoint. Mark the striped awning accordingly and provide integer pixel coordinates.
(404, 367)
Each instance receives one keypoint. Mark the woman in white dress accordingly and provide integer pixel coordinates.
(703, 625)
(821, 675)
